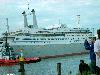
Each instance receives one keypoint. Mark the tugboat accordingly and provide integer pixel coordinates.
(6, 51)
(8, 57)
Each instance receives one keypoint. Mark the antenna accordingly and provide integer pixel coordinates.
(78, 21)
(28, 4)
(93, 32)
(28, 7)
(7, 25)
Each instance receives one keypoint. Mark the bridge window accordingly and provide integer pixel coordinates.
(17, 38)
(27, 39)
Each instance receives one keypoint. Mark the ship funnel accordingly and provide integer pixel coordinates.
(25, 19)
(34, 19)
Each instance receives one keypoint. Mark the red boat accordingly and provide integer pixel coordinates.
(4, 62)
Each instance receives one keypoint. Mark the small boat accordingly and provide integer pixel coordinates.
(9, 58)
(5, 62)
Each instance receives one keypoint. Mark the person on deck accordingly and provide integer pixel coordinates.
(97, 52)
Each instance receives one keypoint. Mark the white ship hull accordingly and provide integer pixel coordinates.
(50, 49)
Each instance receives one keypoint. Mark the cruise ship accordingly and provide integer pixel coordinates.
(42, 42)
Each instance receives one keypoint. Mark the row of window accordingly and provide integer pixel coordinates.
(76, 35)
(45, 41)
(49, 38)
(39, 41)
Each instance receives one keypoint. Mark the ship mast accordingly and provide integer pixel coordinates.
(93, 32)
(7, 45)
(6, 34)
(78, 21)
(7, 25)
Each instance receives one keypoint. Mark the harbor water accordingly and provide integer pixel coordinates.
(49, 66)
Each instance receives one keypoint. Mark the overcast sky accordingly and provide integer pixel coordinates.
(49, 12)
